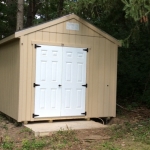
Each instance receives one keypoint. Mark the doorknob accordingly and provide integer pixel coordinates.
(59, 85)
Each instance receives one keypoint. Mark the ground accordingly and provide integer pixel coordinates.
(128, 131)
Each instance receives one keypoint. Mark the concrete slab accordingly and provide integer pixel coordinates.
(45, 129)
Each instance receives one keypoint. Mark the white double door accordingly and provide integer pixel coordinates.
(60, 75)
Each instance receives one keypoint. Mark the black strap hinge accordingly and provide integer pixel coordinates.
(85, 85)
(86, 49)
(34, 115)
(34, 84)
(36, 46)
(84, 113)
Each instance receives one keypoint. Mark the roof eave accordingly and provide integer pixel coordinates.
(7, 39)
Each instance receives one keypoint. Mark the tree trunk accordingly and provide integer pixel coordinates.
(33, 7)
(60, 7)
(20, 15)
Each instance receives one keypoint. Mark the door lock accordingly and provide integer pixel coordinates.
(59, 85)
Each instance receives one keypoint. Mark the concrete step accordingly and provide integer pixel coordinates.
(46, 129)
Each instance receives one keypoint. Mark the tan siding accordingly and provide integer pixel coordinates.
(26, 107)
(24, 77)
(113, 80)
(78, 39)
(65, 38)
(90, 82)
(95, 69)
(72, 39)
(21, 80)
(106, 104)
(61, 29)
(53, 37)
(38, 35)
(33, 80)
(46, 36)
(61, 20)
(101, 83)
(59, 37)
(29, 77)
(9, 79)
(46, 29)
(53, 28)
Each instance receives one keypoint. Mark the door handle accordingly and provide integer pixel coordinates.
(59, 85)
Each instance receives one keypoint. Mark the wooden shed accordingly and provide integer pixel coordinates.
(62, 69)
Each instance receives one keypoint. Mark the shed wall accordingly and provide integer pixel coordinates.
(101, 67)
(9, 78)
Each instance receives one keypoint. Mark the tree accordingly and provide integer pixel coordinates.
(137, 9)
(7, 17)
(20, 10)
(126, 20)
(32, 7)
(60, 7)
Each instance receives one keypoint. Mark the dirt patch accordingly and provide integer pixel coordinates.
(13, 131)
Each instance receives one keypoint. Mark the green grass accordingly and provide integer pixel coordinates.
(139, 132)
(128, 136)
(61, 140)
(7, 144)
(26, 130)
(33, 144)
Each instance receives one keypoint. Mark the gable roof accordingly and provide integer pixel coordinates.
(18, 34)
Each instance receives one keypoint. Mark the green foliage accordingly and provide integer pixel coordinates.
(108, 146)
(133, 69)
(33, 144)
(7, 144)
(7, 18)
(136, 9)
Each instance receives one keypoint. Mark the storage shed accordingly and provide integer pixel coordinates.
(62, 69)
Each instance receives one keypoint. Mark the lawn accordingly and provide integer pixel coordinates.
(130, 130)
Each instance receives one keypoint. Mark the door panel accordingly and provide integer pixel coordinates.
(48, 75)
(73, 77)
(61, 72)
